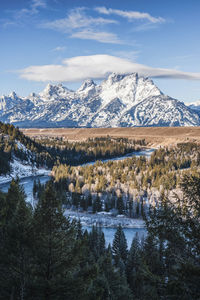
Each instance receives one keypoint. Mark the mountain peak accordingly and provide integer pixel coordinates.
(115, 77)
(52, 92)
(88, 83)
(121, 100)
(13, 95)
(49, 89)
(33, 95)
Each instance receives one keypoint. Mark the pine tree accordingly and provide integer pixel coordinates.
(119, 247)
(55, 248)
(120, 205)
(134, 258)
(97, 241)
(15, 249)
(98, 203)
(115, 284)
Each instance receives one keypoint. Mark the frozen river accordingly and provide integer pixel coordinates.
(109, 232)
(129, 233)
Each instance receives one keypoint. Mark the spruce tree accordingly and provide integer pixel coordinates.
(120, 205)
(119, 246)
(15, 247)
(55, 249)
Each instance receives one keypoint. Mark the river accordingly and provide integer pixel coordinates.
(27, 184)
(145, 152)
(129, 233)
(109, 232)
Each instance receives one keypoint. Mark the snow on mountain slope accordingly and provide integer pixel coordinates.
(8, 102)
(195, 106)
(53, 92)
(120, 100)
(130, 89)
(156, 111)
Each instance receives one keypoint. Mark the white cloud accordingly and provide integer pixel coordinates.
(97, 67)
(130, 15)
(102, 37)
(59, 49)
(20, 16)
(81, 26)
(33, 9)
(38, 3)
(145, 27)
(76, 19)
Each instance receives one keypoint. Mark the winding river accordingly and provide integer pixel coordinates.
(109, 232)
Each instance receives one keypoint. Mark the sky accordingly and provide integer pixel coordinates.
(68, 41)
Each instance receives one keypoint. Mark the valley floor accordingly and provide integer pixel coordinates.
(154, 136)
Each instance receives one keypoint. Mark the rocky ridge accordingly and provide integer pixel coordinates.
(119, 101)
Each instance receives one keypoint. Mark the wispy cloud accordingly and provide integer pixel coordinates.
(59, 49)
(18, 17)
(130, 15)
(131, 55)
(76, 19)
(97, 67)
(103, 37)
(82, 26)
(145, 27)
(33, 9)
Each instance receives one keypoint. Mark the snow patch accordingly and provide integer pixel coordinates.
(105, 220)
(22, 170)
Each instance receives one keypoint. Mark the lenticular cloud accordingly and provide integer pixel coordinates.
(98, 67)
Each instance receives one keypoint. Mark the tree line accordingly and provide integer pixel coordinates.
(128, 186)
(44, 255)
(49, 152)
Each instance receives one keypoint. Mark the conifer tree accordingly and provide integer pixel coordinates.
(120, 205)
(55, 248)
(119, 246)
(15, 246)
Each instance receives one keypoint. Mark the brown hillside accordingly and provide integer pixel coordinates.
(154, 136)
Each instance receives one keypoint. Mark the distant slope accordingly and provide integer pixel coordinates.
(154, 136)
(195, 106)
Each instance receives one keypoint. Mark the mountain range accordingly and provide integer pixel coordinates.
(119, 101)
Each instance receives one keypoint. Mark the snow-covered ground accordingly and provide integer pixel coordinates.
(22, 170)
(105, 220)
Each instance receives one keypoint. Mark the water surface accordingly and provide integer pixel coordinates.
(109, 232)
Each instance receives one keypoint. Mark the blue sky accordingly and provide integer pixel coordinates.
(68, 41)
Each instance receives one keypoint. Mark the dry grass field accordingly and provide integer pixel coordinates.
(154, 136)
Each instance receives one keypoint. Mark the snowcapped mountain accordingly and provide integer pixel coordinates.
(195, 106)
(119, 101)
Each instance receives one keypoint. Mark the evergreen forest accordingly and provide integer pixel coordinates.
(46, 255)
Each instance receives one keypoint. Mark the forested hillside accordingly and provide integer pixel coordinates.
(129, 186)
(46, 153)
(43, 255)
(14, 144)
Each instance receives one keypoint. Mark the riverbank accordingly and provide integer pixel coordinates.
(22, 170)
(104, 219)
(143, 152)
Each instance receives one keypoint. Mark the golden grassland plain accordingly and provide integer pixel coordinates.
(154, 136)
